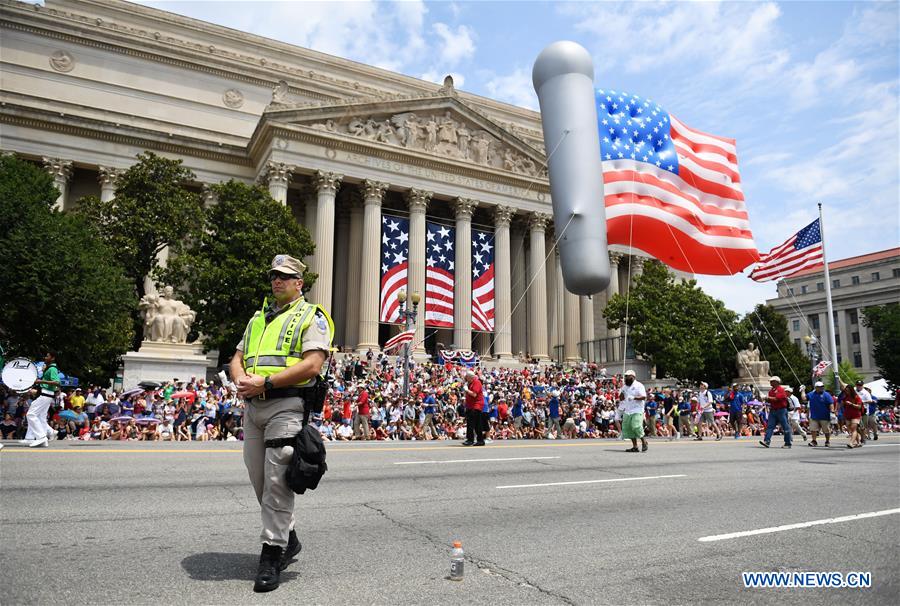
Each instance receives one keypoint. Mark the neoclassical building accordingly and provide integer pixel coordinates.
(89, 84)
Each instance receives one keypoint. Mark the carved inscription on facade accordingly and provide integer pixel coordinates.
(442, 135)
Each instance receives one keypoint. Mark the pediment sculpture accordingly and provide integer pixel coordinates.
(440, 134)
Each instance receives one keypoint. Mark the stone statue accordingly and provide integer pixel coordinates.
(431, 130)
(481, 150)
(751, 366)
(385, 132)
(166, 319)
(447, 132)
(463, 136)
(356, 127)
(280, 92)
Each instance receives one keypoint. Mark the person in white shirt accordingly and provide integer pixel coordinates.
(707, 408)
(863, 427)
(631, 405)
(794, 412)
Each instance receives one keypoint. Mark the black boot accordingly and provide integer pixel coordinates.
(292, 549)
(269, 574)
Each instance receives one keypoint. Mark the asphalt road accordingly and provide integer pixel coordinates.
(90, 523)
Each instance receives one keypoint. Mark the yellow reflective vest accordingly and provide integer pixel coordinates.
(271, 347)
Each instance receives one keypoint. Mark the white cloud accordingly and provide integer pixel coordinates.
(515, 88)
(454, 46)
(739, 293)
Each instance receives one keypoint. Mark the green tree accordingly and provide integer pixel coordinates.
(151, 210)
(884, 321)
(768, 329)
(64, 289)
(221, 273)
(847, 373)
(683, 331)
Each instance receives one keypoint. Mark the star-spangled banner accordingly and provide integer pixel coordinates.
(800, 252)
(671, 191)
(440, 274)
(394, 265)
(482, 280)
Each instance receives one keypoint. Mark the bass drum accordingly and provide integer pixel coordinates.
(19, 374)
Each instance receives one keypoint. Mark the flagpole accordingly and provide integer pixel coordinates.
(833, 340)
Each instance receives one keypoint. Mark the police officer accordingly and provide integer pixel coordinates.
(283, 350)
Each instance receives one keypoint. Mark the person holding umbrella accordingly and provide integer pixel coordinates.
(284, 349)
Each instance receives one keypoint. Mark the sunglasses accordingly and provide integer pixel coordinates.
(277, 275)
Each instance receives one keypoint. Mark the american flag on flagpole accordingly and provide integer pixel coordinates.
(820, 367)
(394, 265)
(800, 252)
(671, 191)
(482, 280)
(397, 340)
(439, 274)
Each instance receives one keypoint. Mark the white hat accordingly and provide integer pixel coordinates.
(789, 389)
(776, 379)
(630, 373)
(704, 383)
(819, 384)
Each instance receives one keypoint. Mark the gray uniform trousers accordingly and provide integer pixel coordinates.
(269, 420)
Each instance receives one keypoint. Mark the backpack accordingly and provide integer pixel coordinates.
(308, 461)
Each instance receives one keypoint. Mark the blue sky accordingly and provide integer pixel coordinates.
(808, 89)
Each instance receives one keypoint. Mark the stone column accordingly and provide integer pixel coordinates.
(418, 204)
(61, 171)
(327, 185)
(462, 293)
(572, 325)
(354, 270)
(637, 268)
(502, 283)
(843, 329)
(370, 266)
(278, 176)
(108, 177)
(613, 289)
(309, 218)
(519, 300)
(554, 310)
(586, 305)
(537, 297)
(341, 267)
(865, 340)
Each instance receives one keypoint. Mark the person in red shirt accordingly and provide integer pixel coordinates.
(777, 400)
(361, 430)
(853, 411)
(474, 406)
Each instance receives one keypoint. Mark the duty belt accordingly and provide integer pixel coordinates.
(280, 392)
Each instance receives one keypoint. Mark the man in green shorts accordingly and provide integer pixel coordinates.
(631, 403)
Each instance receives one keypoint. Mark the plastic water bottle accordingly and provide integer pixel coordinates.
(457, 560)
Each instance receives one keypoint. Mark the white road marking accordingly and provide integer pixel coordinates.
(748, 533)
(680, 475)
(471, 461)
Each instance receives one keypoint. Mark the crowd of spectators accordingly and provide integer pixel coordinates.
(367, 403)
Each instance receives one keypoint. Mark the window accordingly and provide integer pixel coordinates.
(835, 284)
(814, 322)
(876, 276)
(857, 359)
(896, 272)
(840, 358)
(854, 317)
(854, 280)
(796, 325)
(803, 289)
(837, 340)
(820, 286)
(855, 337)
(797, 343)
(835, 316)
(791, 291)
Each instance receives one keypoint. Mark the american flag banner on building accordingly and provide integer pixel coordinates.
(439, 274)
(394, 264)
(482, 280)
(671, 191)
(800, 252)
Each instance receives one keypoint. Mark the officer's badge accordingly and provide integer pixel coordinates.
(321, 324)
(279, 260)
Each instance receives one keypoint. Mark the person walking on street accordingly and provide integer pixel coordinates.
(474, 405)
(867, 400)
(283, 350)
(707, 406)
(38, 428)
(853, 409)
(553, 420)
(631, 402)
(821, 407)
(794, 411)
(652, 412)
(778, 403)
(684, 416)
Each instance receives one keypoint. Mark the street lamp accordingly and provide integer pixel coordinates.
(409, 320)
(812, 345)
